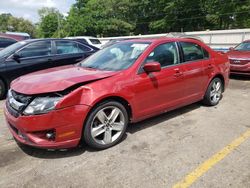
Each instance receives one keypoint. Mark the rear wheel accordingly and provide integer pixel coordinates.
(106, 125)
(214, 92)
(2, 89)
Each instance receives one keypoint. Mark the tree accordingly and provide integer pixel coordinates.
(51, 22)
(126, 17)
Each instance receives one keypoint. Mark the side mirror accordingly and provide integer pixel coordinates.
(16, 57)
(152, 67)
(231, 48)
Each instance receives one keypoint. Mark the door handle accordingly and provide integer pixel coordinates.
(210, 66)
(49, 60)
(178, 72)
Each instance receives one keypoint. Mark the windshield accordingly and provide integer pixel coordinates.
(117, 57)
(95, 41)
(245, 46)
(11, 49)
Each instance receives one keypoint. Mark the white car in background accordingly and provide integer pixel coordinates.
(89, 40)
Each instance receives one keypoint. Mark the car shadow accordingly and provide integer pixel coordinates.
(135, 127)
(52, 153)
(239, 77)
(132, 128)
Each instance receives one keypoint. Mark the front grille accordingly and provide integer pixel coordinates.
(239, 61)
(11, 110)
(17, 102)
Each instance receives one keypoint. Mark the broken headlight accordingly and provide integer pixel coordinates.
(41, 105)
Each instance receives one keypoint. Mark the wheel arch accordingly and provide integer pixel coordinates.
(6, 84)
(119, 99)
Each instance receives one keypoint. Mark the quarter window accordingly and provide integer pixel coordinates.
(165, 54)
(66, 47)
(36, 49)
(84, 48)
(192, 51)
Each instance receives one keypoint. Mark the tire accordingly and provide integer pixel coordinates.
(106, 125)
(214, 91)
(3, 90)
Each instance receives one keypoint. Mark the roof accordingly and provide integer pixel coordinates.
(79, 37)
(18, 33)
(152, 40)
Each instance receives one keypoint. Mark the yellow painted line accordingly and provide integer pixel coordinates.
(204, 167)
(1, 111)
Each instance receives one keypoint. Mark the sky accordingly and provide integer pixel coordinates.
(28, 8)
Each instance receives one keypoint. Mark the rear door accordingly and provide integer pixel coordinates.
(160, 91)
(194, 57)
(70, 52)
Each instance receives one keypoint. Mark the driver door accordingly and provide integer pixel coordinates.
(159, 91)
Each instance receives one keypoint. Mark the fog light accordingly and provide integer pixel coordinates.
(50, 135)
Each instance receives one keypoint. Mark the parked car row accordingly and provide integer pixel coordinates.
(8, 39)
(94, 100)
(239, 58)
(89, 40)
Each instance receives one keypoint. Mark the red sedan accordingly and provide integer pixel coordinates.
(240, 59)
(95, 100)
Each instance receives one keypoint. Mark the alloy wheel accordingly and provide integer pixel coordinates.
(107, 125)
(216, 91)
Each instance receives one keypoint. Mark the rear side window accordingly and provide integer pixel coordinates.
(68, 47)
(166, 54)
(4, 42)
(36, 49)
(193, 52)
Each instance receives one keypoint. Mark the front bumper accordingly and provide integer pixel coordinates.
(67, 124)
(240, 69)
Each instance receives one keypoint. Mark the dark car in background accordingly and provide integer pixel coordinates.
(36, 54)
(239, 58)
(9, 39)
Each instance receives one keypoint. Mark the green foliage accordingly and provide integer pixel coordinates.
(10, 23)
(128, 17)
(51, 22)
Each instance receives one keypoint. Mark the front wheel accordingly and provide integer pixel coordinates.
(2, 89)
(106, 125)
(214, 92)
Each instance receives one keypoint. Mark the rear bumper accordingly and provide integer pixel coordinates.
(67, 124)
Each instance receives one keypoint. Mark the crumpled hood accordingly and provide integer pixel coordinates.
(57, 79)
(234, 54)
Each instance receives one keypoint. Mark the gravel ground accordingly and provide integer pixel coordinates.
(158, 152)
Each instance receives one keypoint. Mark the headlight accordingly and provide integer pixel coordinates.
(41, 105)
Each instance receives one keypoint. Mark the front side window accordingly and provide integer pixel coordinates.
(12, 48)
(117, 57)
(245, 46)
(36, 49)
(193, 52)
(67, 47)
(165, 54)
